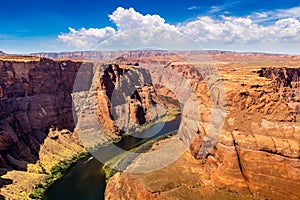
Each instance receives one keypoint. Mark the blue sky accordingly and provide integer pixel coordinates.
(34, 26)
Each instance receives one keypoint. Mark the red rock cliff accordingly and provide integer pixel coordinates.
(34, 96)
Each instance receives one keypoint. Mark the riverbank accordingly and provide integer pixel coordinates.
(56, 172)
(87, 178)
(58, 145)
(123, 160)
(170, 115)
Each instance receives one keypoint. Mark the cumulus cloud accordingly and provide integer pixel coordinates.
(240, 30)
(128, 19)
(207, 30)
(229, 29)
(125, 20)
(86, 38)
(148, 38)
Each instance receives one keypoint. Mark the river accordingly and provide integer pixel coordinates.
(86, 181)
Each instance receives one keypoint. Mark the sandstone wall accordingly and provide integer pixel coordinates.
(34, 96)
(126, 98)
(258, 149)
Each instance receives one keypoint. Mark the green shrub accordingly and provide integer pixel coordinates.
(56, 173)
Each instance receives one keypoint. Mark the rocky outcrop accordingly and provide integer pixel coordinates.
(128, 87)
(287, 83)
(34, 96)
(184, 179)
(58, 145)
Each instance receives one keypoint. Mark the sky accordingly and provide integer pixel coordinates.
(28, 26)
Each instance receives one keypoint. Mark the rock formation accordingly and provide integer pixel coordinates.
(257, 151)
(258, 148)
(287, 83)
(104, 56)
(117, 84)
(35, 122)
(153, 54)
(34, 96)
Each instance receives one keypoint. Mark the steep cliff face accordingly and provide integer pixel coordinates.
(131, 88)
(258, 148)
(34, 96)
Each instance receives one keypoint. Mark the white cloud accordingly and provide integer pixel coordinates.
(285, 13)
(241, 30)
(215, 9)
(148, 38)
(128, 19)
(229, 29)
(275, 15)
(124, 19)
(260, 15)
(193, 8)
(210, 32)
(288, 28)
(86, 38)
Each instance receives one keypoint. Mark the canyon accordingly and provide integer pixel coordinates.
(257, 150)
(256, 154)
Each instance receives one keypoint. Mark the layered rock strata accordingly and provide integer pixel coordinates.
(34, 96)
(257, 152)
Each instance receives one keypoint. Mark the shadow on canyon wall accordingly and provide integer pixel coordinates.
(34, 97)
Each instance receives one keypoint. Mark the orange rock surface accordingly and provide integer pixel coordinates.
(257, 151)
